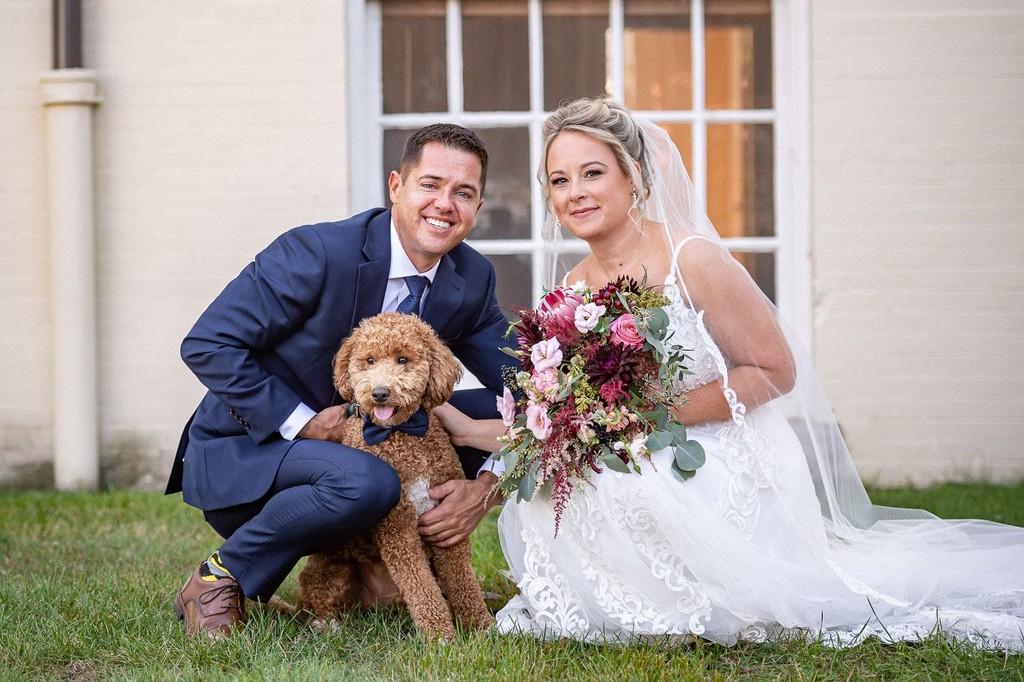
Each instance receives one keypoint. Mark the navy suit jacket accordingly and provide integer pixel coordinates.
(268, 340)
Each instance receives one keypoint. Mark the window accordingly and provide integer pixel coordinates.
(708, 71)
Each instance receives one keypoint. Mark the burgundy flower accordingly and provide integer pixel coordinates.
(612, 390)
(609, 362)
(559, 314)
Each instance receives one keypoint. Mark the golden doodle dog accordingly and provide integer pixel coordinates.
(395, 368)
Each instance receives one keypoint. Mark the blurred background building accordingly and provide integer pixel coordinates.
(865, 160)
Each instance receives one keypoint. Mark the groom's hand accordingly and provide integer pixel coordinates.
(462, 504)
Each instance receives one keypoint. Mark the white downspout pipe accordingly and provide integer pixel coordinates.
(69, 96)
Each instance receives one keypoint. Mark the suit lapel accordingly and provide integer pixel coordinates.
(372, 277)
(445, 296)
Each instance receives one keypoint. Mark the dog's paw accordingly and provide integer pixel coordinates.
(325, 626)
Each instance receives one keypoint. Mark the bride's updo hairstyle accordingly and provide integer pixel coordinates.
(607, 121)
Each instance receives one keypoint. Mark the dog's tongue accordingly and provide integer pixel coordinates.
(383, 413)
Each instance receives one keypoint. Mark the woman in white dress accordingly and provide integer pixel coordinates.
(774, 536)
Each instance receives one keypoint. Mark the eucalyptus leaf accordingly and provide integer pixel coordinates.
(659, 440)
(678, 433)
(689, 455)
(658, 321)
(682, 474)
(614, 463)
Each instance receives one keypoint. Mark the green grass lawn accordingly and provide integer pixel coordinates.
(87, 583)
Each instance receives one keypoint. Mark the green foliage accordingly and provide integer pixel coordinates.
(87, 583)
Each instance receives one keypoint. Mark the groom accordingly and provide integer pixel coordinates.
(258, 456)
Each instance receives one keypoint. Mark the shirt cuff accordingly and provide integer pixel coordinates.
(299, 417)
(494, 465)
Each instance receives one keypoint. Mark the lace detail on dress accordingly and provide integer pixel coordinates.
(555, 605)
(619, 601)
(751, 459)
(633, 514)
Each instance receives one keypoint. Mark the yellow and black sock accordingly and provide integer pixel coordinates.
(212, 569)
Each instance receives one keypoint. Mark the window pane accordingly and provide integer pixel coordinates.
(506, 211)
(574, 49)
(741, 179)
(761, 267)
(657, 59)
(738, 54)
(394, 142)
(515, 280)
(682, 136)
(413, 64)
(495, 56)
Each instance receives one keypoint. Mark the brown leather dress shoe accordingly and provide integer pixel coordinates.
(210, 605)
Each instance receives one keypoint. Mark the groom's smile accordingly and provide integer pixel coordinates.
(435, 202)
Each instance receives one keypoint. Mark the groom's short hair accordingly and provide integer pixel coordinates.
(451, 136)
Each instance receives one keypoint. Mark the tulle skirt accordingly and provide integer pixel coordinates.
(744, 552)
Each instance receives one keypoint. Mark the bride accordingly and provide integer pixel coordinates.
(774, 536)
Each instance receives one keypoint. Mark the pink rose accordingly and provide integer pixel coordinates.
(624, 332)
(507, 407)
(537, 420)
(545, 355)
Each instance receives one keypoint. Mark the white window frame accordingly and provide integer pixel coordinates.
(789, 118)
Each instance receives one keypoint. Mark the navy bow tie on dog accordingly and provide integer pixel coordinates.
(411, 304)
(416, 425)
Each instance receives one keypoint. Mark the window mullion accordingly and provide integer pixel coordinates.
(699, 131)
(453, 31)
(617, 58)
(535, 32)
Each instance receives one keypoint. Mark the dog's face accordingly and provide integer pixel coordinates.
(392, 365)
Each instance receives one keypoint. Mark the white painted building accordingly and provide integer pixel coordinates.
(866, 158)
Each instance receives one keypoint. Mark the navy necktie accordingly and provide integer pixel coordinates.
(415, 425)
(417, 285)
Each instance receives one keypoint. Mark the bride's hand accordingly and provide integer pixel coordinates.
(455, 422)
(482, 434)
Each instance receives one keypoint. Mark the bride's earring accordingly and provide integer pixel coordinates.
(634, 210)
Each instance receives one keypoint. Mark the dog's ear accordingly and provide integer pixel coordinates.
(445, 372)
(342, 381)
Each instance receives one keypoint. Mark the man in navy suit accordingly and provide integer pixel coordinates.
(258, 456)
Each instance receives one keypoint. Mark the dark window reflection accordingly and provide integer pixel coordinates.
(413, 63)
(574, 49)
(495, 56)
(515, 281)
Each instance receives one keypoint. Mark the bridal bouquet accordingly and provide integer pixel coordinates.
(597, 385)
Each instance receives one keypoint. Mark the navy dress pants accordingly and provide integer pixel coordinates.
(324, 495)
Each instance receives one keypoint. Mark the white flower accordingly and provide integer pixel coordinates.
(639, 445)
(587, 316)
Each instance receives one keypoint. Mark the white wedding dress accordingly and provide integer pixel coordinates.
(745, 551)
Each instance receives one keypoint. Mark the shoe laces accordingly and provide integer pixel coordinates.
(230, 593)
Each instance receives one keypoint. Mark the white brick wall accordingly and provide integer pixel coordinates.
(918, 233)
(25, 351)
(222, 124)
